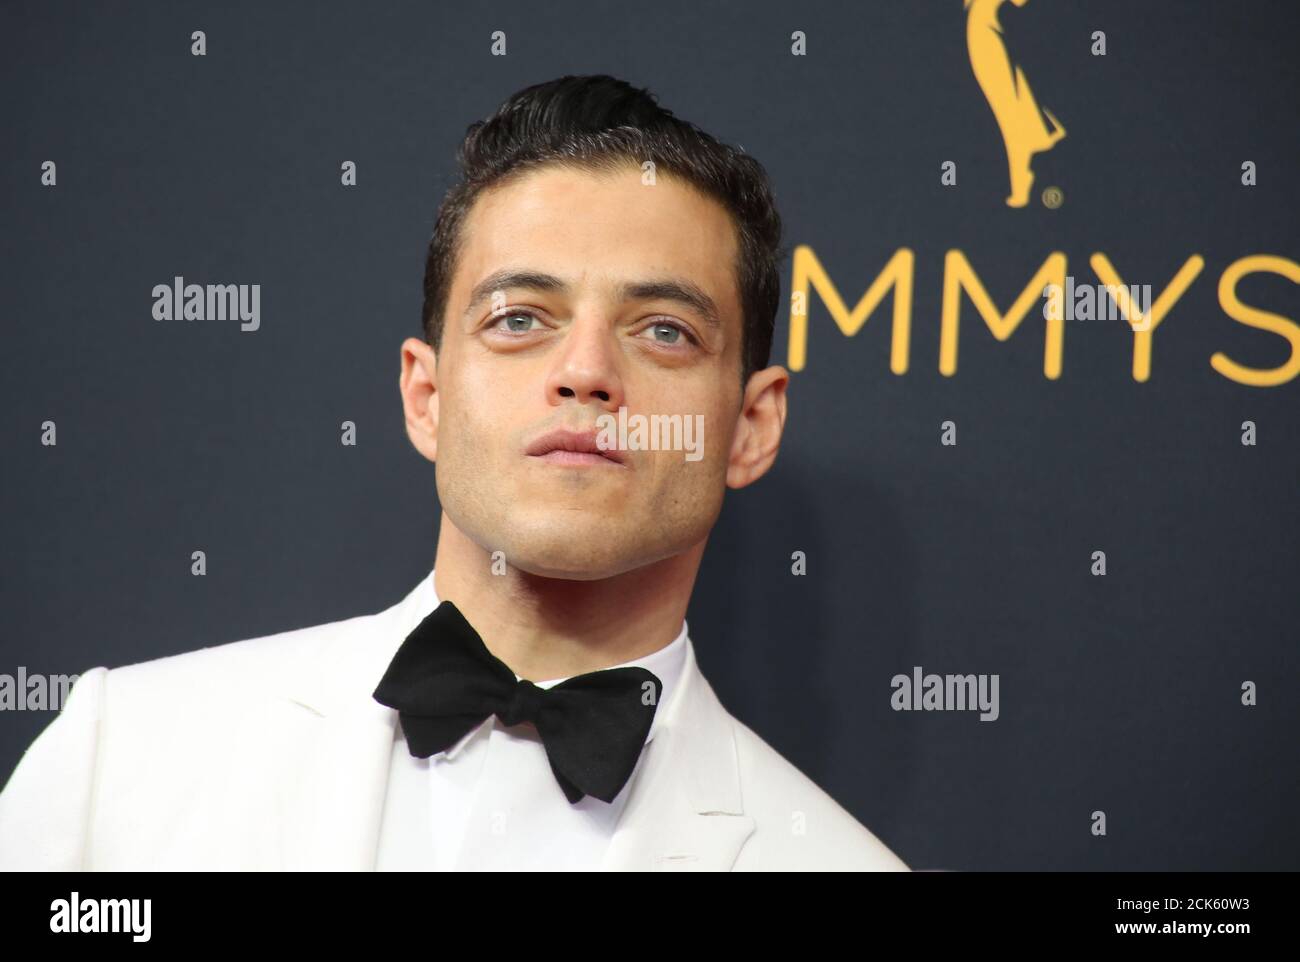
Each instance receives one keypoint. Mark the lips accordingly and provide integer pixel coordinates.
(578, 442)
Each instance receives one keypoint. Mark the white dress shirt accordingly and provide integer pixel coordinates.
(491, 802)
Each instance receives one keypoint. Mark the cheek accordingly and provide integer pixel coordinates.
(458, 426)
(477, 439)
(466, 396)
(701, 464)
(719, 432)
(688, 499)
(708, 439)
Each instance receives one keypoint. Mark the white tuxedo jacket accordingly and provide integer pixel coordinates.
(271, 753)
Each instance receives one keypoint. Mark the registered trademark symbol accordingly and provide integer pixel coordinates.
(1053, 197)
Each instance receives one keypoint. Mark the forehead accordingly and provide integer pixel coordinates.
(601, 227)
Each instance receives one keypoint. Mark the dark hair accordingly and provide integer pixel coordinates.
(602, 123)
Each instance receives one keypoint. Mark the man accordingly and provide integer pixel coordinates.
(534, 702)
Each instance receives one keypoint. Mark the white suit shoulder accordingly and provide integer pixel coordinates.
(213, 703)
(799, 827)
(46, 803)
(250, 668)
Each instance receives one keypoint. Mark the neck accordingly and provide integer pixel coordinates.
(548, 628)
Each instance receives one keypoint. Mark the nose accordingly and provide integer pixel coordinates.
(586, 365)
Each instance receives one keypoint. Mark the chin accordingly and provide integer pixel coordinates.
(573, 548)
(564, 574)
(574, 566)
(579, 545)
(573, 554)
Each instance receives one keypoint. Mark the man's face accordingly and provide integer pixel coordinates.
(602, 323)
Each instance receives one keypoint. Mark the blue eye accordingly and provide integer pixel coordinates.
(513, 315)
(676, 330)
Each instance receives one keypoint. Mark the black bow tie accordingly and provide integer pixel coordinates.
(444, 682)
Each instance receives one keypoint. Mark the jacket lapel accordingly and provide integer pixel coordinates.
(683, 812)
(335, 799)
(334, 803)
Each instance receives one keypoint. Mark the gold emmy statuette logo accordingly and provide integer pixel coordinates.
(1024, 129)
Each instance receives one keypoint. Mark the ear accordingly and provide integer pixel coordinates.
(419, 388)
(759, 429)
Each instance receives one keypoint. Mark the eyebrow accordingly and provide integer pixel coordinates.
(667, 289)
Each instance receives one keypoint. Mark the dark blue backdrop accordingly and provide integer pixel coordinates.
(1119, 693)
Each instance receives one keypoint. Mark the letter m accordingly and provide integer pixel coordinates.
(959, 276)
(808, 270)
